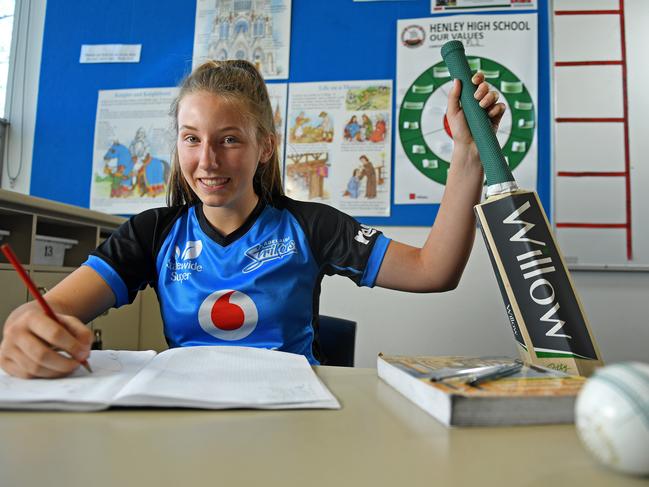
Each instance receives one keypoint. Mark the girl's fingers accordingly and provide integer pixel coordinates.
(32, 341)
(496, 113)
(81, 333)
(481, 91)
(22, 366)
(489, 99)
(497, 110)
(12, 368)
(477, 78)
(58, 336)
(40, 359)
(454, 98)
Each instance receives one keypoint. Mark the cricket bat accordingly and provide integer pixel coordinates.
(542, 306)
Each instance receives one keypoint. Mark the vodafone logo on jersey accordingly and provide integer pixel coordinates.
(228, 314)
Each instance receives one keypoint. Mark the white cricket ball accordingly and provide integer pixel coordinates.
(612, 416)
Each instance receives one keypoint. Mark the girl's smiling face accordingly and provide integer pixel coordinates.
(218, 152)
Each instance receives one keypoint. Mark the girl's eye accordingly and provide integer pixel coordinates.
(229, 139)
(191, 139)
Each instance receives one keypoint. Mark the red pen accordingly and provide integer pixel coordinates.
(11, 257)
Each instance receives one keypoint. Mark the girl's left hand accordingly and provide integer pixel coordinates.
(487, 99)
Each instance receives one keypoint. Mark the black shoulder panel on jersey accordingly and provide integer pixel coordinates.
(339, 243)
(132, 249)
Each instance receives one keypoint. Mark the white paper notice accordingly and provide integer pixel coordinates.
(110, 53)
(480, 5)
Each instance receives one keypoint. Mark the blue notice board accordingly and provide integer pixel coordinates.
(331, 40)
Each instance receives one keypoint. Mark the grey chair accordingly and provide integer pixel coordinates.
(337, 341)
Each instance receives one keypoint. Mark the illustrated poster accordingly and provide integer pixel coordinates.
(338, 147)
(131, 160)
(234, 30)
(277, 92)
(504, 48)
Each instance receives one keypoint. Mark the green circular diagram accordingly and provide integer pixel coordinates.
(429, 150)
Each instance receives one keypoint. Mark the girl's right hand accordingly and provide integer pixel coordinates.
(487, 98)
(31, 340)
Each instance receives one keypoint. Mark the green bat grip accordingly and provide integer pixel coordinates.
(495, 166)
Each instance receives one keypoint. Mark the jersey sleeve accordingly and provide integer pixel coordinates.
(340, 244)
(126, 259)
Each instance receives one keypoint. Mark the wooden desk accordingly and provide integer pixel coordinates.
(378, 438)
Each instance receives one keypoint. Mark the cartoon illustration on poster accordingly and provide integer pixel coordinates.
(338, 145)
(132, 150)
(504, 49)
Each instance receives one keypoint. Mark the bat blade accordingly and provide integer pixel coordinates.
(543, 309)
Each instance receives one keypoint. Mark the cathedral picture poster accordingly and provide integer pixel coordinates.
(258, 31)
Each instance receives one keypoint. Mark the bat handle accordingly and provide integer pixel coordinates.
(499, 176)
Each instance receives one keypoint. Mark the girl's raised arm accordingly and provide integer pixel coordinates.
(439, 264)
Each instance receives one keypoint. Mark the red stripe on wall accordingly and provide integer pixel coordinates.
(581, 174)
(587, 63)
(591, 225)
(627, 160)
(587, 12)
(589, 119)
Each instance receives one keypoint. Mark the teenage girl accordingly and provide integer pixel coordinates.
(233, 260)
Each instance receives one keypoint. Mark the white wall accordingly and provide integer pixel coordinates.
(471, 319)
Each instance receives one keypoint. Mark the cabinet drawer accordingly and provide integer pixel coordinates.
(13, 292)
(119, 327)
(151, 327)
(47, 280)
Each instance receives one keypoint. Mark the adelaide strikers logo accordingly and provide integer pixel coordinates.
(228, 314)
(270, 250)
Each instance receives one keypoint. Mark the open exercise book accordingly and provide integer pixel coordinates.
(192, 377)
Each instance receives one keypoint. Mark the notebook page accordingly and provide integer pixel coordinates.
(81, 390)
(215, 377)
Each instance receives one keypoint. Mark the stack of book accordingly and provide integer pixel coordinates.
(463, 391)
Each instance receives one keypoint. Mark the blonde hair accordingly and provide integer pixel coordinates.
(240, 82)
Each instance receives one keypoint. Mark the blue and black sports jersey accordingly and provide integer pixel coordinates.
(258, 287)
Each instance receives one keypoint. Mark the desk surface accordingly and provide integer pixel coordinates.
(377, 438)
